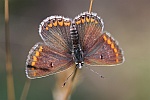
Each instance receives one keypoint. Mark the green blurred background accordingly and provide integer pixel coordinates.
(127, 20)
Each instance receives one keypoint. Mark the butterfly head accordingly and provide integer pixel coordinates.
(79, 65)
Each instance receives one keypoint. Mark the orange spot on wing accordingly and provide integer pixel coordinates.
(78, 22)
(46, 28)
(116, 54)
(115, 50)
(112, 45)
(87, 19)
(32, 64)
(96, 21)
(37, 53)
(92, 19)
(55, 23)
(67, 23)
(32, 68)
(108, 41)
(50, 25)
(82, 20)
(105, 38)
(60, 23)
(34, 73)
(34, 58)
(40, 49)
(117, 60)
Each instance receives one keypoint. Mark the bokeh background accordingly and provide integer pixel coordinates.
(127, 20)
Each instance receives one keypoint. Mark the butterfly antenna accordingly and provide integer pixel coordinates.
(73, 73)
(95, 72)
(90, 8)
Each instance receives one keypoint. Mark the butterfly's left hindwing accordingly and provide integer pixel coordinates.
(43, 60)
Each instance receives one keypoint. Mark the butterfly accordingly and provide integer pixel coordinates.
(69, 42)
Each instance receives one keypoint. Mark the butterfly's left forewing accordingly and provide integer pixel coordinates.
(55, 32)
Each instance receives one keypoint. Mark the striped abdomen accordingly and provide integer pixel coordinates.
(76, 48)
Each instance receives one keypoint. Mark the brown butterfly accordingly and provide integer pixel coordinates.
(67, 43)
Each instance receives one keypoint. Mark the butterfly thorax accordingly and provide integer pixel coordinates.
(77, 52)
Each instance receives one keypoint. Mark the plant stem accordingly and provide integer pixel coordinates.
(10, 82)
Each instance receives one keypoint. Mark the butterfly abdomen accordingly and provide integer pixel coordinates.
(76, 48)
(74, 37)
